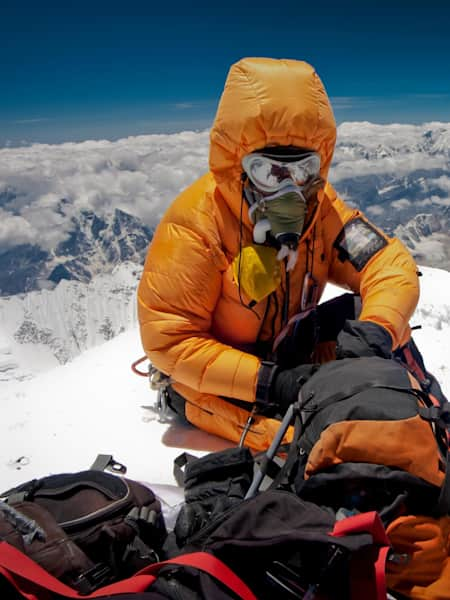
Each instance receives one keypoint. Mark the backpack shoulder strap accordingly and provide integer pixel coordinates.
(216, 568)
(18, 567)
(439, 416)
(368, 572)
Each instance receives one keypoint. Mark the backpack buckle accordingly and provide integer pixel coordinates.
(105, 462)
(89, 581)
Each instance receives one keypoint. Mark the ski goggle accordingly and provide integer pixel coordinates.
(270, 175)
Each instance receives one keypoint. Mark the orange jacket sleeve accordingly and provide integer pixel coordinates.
(388, 283)
(177, 294)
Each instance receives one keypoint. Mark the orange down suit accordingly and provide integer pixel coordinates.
(195, 325)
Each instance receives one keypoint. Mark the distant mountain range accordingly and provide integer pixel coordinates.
(399, 175)
(71, 286)
(94, 245)
(428, 238)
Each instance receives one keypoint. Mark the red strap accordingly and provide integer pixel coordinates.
(19, 569)
(380, 572)
(369, 522)
(214, 567)
(413, 364)
(16, 567)
(368, 573)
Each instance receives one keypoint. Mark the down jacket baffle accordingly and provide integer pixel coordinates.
(195, 322)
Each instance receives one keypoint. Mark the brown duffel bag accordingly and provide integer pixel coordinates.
(87, 529)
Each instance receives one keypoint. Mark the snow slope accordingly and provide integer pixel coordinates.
(42, 329)
(62, 418)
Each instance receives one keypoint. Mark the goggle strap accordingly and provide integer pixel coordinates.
(251, 211)
(249, 192)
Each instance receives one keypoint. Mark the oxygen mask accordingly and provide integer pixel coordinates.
(276, 191)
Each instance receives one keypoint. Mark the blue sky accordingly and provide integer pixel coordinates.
(79, 70)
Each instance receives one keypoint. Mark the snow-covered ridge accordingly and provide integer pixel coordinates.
(428, 237)
(372, 141)
(399, 175)
(138, 175)
(45, 328)
(39, 330)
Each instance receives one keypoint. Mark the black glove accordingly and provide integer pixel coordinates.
(363, 338)
(213, 483)
(287, 384)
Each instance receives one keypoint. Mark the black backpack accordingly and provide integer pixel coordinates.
(366, 437)
(280, 540)
(280, 545)
(284, 547)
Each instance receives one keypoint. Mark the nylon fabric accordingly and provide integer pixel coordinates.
(377, 442)
(194, 323)
(277, 528)
(367, 446)
(257, 271)
(426, 541)
(18, 568)
(227, 420)
(286, 213)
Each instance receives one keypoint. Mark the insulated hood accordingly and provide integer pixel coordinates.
(268, 102)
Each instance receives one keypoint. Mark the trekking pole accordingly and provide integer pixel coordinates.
(271, 451)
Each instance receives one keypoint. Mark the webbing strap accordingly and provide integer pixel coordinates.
(444, 495)
(440, 415)
(179, 463)
(356, 389)
(368, 577)
(368, 522)
(413, 364)
(21, 571)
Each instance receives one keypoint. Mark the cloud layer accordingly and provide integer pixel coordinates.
(139, 175)
(142, 174)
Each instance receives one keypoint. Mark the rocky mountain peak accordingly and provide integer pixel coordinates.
(94, 244)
